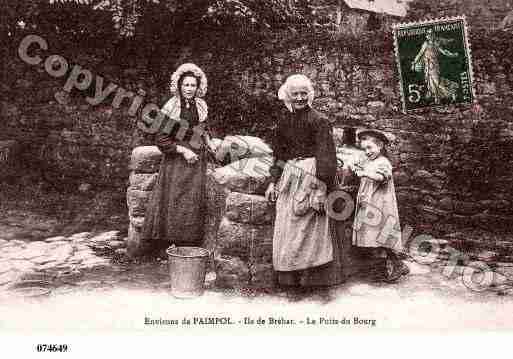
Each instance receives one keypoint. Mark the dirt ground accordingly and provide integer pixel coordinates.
(133, 295)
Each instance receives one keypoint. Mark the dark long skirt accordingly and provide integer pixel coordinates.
(176, 210)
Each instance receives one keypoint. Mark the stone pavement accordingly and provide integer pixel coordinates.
(85, 283)
(99, 260)
(123, 300)
(57, 257)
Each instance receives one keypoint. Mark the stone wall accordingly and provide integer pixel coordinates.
(8, 156)
(450, 164)
(452, 167)
(61, 135)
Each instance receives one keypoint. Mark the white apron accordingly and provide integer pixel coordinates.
(301, 236)
(376, 221)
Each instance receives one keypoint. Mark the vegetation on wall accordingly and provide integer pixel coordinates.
(137, 44)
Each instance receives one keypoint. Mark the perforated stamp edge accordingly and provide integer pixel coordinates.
(468, 48)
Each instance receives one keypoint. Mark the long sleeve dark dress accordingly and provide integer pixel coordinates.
(303, 134)
(176, 211)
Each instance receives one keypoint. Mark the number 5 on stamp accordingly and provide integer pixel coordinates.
(434, 63)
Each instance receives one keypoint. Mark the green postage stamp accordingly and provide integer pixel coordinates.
(434, 63)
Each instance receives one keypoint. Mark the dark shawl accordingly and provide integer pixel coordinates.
(305, 133)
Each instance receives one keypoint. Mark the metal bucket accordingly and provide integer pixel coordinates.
(187, 268)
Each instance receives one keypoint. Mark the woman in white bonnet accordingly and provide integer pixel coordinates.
(305, 252)
(176, 211)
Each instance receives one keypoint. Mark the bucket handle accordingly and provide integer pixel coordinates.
(170, 248)
(173, 246)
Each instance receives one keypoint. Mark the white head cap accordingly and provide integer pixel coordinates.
(297, 80)
(198, 73)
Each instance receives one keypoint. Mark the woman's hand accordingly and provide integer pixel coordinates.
(317, 201)
(271, 194)
(189, 155)
(214, 143)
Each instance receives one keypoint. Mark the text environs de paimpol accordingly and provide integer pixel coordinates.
(193, 321)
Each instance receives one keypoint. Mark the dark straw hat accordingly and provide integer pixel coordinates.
(374, 133)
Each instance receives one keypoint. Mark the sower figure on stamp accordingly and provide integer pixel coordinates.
(427, 60)
(305, 253)
(176, 210)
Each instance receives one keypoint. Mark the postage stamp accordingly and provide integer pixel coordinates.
(434, 63)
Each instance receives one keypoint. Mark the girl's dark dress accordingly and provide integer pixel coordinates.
(176, 211)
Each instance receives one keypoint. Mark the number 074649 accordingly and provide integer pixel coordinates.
(52, 347)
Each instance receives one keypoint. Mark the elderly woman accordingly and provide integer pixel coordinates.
(306, 253)
(176, 211)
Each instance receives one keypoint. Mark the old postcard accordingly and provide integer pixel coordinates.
(255, 167)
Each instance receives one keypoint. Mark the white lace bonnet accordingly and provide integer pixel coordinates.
(198, 73)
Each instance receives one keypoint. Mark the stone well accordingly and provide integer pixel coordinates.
(239, 219)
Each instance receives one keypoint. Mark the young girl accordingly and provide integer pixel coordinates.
(376, 222)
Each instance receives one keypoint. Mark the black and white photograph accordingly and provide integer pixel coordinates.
(252, 166)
